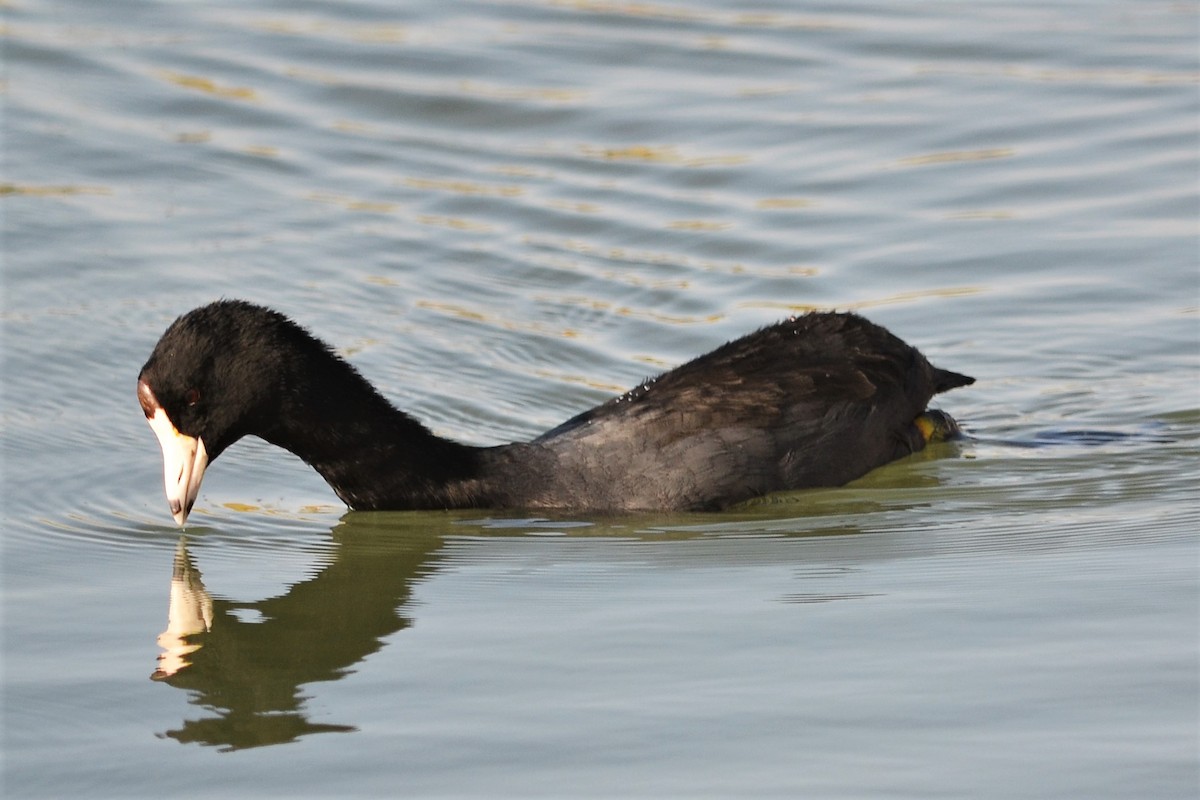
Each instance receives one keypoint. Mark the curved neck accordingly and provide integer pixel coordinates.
(372, 455)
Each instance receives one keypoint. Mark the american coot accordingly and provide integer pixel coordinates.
(815, 400)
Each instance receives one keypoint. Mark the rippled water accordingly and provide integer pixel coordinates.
(503, 212)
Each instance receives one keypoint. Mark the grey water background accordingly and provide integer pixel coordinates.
(505, 211)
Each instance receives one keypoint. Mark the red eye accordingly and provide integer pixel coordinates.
(192, 397)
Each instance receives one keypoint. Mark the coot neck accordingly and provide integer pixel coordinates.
(371, 454)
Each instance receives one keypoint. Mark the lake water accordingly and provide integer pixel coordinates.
(505, 211)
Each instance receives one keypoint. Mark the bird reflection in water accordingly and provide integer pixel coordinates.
(189, 613)
(250, 665)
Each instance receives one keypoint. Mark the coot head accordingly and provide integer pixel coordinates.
(213, 377)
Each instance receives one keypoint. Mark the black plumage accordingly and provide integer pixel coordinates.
(815, 400)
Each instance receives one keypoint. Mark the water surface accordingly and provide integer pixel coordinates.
(504, 212)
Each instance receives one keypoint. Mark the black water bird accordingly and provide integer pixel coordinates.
(816, 400)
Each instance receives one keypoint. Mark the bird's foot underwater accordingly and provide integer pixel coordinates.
(937, 426)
